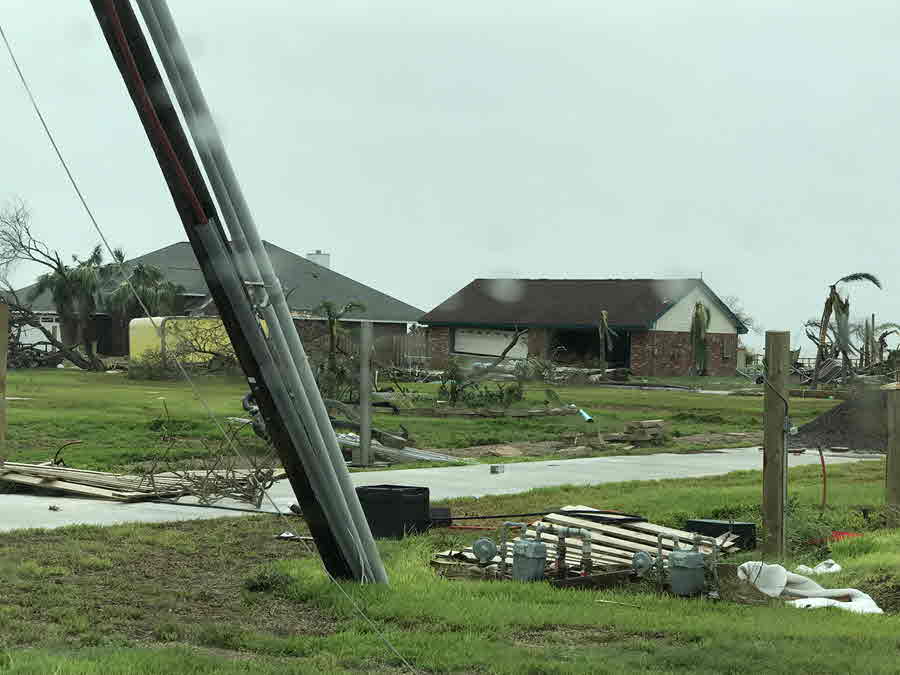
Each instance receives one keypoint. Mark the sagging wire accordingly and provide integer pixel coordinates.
(180, 366)
(119, 265)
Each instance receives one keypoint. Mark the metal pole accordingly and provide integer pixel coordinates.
(364, 457)
(322, 484)
(165, 36)
(196, 210)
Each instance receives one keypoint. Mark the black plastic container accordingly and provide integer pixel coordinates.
(746, 532)
(393, 511)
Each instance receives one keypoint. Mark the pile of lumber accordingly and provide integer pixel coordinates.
(639, 432)
(613, 544)
(105, 485)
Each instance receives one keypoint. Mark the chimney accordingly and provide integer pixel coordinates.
(320, 258)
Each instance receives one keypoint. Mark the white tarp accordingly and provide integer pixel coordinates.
(803, 592)
(824, 567)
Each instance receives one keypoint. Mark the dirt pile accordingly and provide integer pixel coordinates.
(858, 423)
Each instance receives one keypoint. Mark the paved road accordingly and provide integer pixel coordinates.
(23, 511)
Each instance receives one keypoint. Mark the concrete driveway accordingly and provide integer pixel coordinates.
(27, 511)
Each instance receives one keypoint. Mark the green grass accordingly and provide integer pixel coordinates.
(224, 596)
(119, 421)
(686, 412)
(122, 422)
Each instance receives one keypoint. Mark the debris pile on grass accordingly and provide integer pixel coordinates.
(858, 423)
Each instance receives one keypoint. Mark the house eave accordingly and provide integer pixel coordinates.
(514, 326)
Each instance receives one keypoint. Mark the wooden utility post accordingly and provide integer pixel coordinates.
(362, 456)
(775, 454)
(4, 349)
(892, 464)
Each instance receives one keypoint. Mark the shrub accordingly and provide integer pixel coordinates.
(268, 579)
(151, 365)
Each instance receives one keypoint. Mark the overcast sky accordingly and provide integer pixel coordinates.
(425, 144)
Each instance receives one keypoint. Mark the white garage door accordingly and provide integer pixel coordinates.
(486, 342)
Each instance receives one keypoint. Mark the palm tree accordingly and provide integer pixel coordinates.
(61, 287)
(884, 331)
(699, 325)
(606, 335)
(75, 290)
(333, 313)
(840, 308)
(145, 287)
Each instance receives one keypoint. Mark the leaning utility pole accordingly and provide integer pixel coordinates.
(242, 283)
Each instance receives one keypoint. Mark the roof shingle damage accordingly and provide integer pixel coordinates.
(630, 303)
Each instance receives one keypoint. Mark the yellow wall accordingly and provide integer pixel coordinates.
(143, 336)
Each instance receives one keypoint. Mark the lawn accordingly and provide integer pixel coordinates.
(122, 422)
(225, 596)
(687, 413)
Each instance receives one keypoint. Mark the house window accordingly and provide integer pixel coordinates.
(726, 350)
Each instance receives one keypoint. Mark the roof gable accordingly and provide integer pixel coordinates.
(630, 303)
(308, 283)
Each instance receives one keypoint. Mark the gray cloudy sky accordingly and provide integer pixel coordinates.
(428, 143)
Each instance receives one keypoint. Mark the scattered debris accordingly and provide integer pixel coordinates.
(858, 423)
(488, 412)
(605, 557)
(121, 487)
(290, 536)
(802, 592)
(505, 451)
(399, 454)
(54, 507)
(824, 567)
(639, 432)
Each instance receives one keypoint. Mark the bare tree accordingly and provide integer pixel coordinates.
(74, 288)
(737, 308)
(204, 337)
(21, 314)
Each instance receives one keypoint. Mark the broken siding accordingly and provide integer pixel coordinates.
(678, 318)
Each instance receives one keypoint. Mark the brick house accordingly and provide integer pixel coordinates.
(651, 317)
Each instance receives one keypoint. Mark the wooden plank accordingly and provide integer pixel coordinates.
(651, 528)
(609, 530)
(596, 549)
(63, 486)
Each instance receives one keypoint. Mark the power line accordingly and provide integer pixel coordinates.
(126, 278)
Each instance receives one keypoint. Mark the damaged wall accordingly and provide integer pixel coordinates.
(668, 353)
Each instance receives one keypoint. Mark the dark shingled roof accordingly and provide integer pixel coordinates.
(631, 303)
(311, 283)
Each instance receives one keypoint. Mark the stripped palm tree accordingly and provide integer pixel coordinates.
(606, 335)
(840, 308)
(699, 325)
(884, 331)
(333, 313)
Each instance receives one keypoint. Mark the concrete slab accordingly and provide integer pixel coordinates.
(29, 511)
